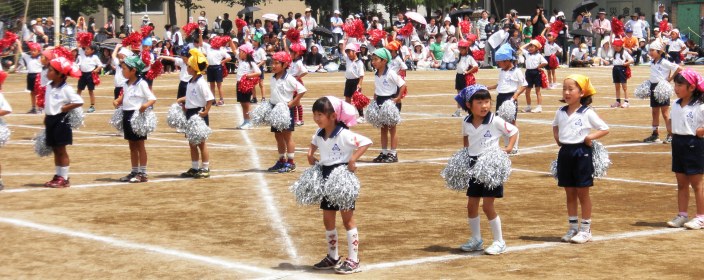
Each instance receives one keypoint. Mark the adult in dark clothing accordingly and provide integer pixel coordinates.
(314, 60)
(539, 21)
(226, 24)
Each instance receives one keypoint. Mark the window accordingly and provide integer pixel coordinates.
(152, 7)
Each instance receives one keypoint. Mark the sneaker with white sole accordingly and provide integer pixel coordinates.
(472, 245)
(616, 104)
(625, 104)
(496, 248)
(677, 222)
(327, 263)
(582, 237)
(570, 233)
(653, 138)
(246, 126)
(668, 139)
(538, 109)
(695, 223)
(526, 109)
(348, 267)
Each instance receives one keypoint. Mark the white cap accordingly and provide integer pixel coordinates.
(67, 18)
(656, 29)
(337, 12)
(447, 18)
(199, 18)
(308, 10)
(350, 17)
(352, 46)
(357, 16)
(656, 45)
(33, 22)
(560, 14)
(341, 42)
(375, 18)
(286, 27)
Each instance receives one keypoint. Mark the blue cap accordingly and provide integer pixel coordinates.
(185, 51)
(629, 30)
(505, 52)
(147, 42)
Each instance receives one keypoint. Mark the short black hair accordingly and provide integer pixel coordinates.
(323, 105)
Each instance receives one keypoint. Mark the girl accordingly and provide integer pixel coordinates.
(622, 60)
(61, 98)
(285, 89)
(5, 109)
(552, 48)
(338, 146)
(534, 61)
(571, 128)
(466, 66)
(137, 96)
(676, 47)
(661, 71)
(298, 71)
(387, 86)
(511, 82)
(118, 55)
(198, 100)
(216, 57)
(475, 128)
(260, 59)
(167, 51)
(354, 75)
(686, 125)
(183, 76)
(90, 65)
(34, 66)
(246, 67)
(397, 64)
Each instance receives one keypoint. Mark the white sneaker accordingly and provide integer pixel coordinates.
(457, 113)
(498, 247)
(582, 237)
(625, 105)
(616, 104)
(526, 110)
(361, 120)
(538, 109)
(472, 245)
(570, 233)
(695, 223)
(246, 126)
(677, 222)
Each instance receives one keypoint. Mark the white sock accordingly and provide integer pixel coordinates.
(290, 156)
(495, 225)
(206, 165)
(353, 244)
(586, 225)
(574, 222)
(57, 170)
(194, 164)
(384, 151)
(331, 238)
(63, 172)
(143, 169)
(393, 152)
(135, 169)
(475, 228)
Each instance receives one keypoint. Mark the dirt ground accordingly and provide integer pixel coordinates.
(243, 222)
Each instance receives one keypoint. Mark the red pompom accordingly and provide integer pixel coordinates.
(406, 30)
(469, 79)
(189, 28)
(360, 100)
(84, 39)
(544, 79)
(617, 27)
(465, 26)
(542, 40)
(147, 58)
(376, 35)
(96, 79)
(224, 70)
(293, 35)
(155, 70)
(354, 29)
(240, 23)
(8, 40)
(219, 41)
(147, 31)
(553, 62)
(40, 91)
(557, 26)
(246, 84)
(61, 51)
(478, 55)
(134, 40)
(628, 72)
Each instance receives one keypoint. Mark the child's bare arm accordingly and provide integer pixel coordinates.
(311, 154)
(556, 135)
(352, 164)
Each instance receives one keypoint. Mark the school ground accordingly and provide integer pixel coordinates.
(243, 223)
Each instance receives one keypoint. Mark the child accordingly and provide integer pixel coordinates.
(283, 87)
(354, 75)
(571, 128)
(528, 32)
(397, 64)
(622, 60)
(34, 66)
(5, 109)
(534, 61)
(90, 65)
(245, 67)
(481, 130)
(676, 47)
(387, 86)
(61, 98)
(338, 146)
(687, 128)
(661, 71)
(136, 96)
(298, 71)
(260, 59)
(216, 57)
(184, 77)
(511, 82)
(198, 100)
(118, 55)
(466, 66)
(147, 52)
(552, 48)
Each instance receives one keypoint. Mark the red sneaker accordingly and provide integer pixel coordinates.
(58, 182)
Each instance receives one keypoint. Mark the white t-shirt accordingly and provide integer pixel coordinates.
(4, 105)
(397, 64)
(58, 97)
(511, 80)
(448, 54)
(620, 59)
(578, 54)
(447, 32)
(198, 93)
(88, 63)
(574, 128)
(533, 60)
(355, 69)
(282, 89)
(215, 56)
(487, 134)
(685, 120)
(44, 77)
(297, 68)
(388, 83)
(183, 75)
(465, 63)
(676, 45)
(34, 64)
(308, 24)
(120, 80)
(336, 29)
(339, 147)
(660, 71)
(637, 27)
(135, 95)
(244, 68)
(259, 55)
(551, 48)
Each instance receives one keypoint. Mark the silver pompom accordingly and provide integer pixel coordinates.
(553, 169)
(643, 90)
(371, 115)
(143, 123)
(492, 168)
(308, 190)
(600, 159)
(663, 91)
(507, 111)
(280, 117)
(40, 147)
(341, 188)
(259, 115)
(116, 120)
(456, 173)
(389, 115)
(5, 133)
(196, 130)
(175, 117)
(75, 118)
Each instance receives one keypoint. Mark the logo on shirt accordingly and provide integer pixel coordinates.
(690, 115)
(487, 134)
(578, 123)
(335, 148)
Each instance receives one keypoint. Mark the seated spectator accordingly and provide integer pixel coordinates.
(420, 58)
(579, 56)
(435, 51)
(449, 59)
(365, 56)
(695, 54)
(314, 60)
(605, 54)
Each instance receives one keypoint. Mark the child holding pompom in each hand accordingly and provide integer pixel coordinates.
(661, 71)
(481, 129)
(387, 86)
(338, 146)
(572, 131)
(687, 129)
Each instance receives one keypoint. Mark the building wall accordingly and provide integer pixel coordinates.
(613, 7)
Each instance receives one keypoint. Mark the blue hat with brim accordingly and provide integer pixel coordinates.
(147, 42)
(505, 52)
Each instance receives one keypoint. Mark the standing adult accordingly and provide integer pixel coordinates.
(49, 29)
(584, 22)
(659, 14)
(447, 30)
(636, 25)
(539, 21)
(110, 26)
(601, 27)
(430, 30)
(69, 32)
(646, 27)
(562, 35)
(308, 24)
(336, 24)
(226, 24)
(481, 24)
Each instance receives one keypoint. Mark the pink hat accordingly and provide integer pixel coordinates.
(299, 48)
(282, 57)
(246, 49)
(346, 113)
(693, 78)
(65, 66)
(352, 46)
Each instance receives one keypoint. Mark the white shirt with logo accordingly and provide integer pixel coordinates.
(487, 134)
(574, 128)
(339, 147)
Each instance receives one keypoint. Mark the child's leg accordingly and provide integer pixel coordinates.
(261, 87)
(352, 234)
(683, 193)
(134, 154)
(204, 155)
(290, 145)
(665, 113)
(696, 181)
(33, 97)
(571, 194)
(331, 233)
(655, 112)
(142, 150)
(245, 111)
(540, 97)
(528, 101)
(212, 87)
(61, 161)
(494, 220)
(384, 139)
(625, 91)
(618, 92)
(473, 217)
(194, 153)
(92, 97)
(394, 139)
(280, 144)
(219, 84)
(299, 110)
(586, 202)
